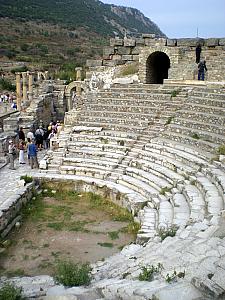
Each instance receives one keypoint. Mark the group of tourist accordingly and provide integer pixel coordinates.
(201, 63)
(9, 99)
(34, 141)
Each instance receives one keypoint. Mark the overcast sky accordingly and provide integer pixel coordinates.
(181, 18)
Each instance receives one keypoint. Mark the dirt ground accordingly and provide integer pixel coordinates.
(57, 229)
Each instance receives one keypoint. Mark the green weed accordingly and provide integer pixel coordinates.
(10, 292)
(221, 150)
(169, 231)
(70, 274)
(114, 235)
(148, 272)
(107, 245)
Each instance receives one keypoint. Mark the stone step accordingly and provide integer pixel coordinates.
(206, 101)
(181, 210)
(195, 201)
(189, 141)
(201, 126)
(198, 134)
(209, 109)
(201, 116)
(213, 199)
(153, 180)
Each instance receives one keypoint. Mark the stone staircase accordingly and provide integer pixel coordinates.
(169, 179)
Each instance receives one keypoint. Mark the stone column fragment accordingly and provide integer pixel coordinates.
(18, 91)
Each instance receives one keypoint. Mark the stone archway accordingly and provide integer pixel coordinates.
(157, 66)
(72, 93)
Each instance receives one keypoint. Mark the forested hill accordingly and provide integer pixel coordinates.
(91, 15)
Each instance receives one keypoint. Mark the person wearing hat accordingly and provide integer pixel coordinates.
(12, 154)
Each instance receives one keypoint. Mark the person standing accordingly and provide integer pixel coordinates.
(201, 70)
(33, 154)
(12, 154)
(21, 134)
(198, 51)
(21, 153)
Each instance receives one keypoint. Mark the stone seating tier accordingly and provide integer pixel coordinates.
(184, 139)
(198, 134)
(201, 126)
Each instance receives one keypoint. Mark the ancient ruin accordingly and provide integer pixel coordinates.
(153, 140)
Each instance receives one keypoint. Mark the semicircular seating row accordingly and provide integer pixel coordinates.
(156, 148)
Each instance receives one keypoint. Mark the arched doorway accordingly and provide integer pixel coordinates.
(157, 66)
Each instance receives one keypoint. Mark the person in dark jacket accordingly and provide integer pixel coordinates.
(198, 51)
(21, 134)
(201, 70)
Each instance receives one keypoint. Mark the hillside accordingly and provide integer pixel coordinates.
(91, 15)
(60, 35)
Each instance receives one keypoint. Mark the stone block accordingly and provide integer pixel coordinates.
(155, 42)
(117, 57)
(187, 42)
(140, 41)
(136, 50)
(108, 51)
(212, 42)
(93, 62)
(124, 50)
(148, 35)
(116, 42)
(127, 57)
(136, 57)
(129, 42)
(113, 63)
(222, 42)
(171, 42)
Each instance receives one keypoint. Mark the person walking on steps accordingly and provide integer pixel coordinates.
(201, 70)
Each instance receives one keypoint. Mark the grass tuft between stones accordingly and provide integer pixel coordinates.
(70, 274)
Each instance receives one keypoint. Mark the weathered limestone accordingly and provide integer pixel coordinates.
(24, 77)
(18, 91)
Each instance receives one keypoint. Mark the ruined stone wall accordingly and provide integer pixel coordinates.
(181, 53)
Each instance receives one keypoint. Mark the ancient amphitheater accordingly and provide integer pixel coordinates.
(154, 143)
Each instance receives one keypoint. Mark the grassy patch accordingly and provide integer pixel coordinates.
(129, 70)
(118, 213)
(10, 292)
(113, 235)
(132, 228)
(221, 150)
(107, 245)
(14, 273)
(70, 274)
(26, 178)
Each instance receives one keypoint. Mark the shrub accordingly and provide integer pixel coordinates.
(10, 292)
(148, 272)
(165, 232)
(169, 120)
(19, 69)
(129, 70)
(221, 150)
(174, 276)
(26, 178)
(70, 274)
(195, 136)
(174, 93)
(7, 85)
